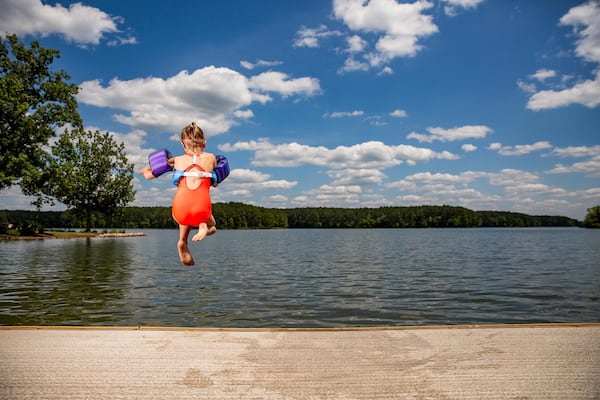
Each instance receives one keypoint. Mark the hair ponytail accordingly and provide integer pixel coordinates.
(193, 138)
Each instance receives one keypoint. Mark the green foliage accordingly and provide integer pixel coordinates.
(145, 217)
(243, 216)
(87, 171)
(3, 222)
(30, 228)
(592, 218)
(384, 217)
(33, 102)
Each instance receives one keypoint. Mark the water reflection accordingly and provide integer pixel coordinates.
(65, 282)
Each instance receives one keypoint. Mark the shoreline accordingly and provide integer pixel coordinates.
(71, 235)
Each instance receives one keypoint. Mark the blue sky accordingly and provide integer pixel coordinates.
(486, 104)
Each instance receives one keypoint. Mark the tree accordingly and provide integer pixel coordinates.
(592, 219)
(87, 171)
(34, 101)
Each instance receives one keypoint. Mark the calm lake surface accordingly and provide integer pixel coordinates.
(306, 278)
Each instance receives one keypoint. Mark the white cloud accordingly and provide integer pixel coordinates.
(241, 179)
(375, 120)
(241, 175)
(467, 148)
(585, 20)
(520, 149)
(391, 29)
(259, 63)
(576, 151)
(592, 193)
(273, 81)
(340, 114)
(590, 168)
(310, 37)
(371, 154)
(586, 93)
(437, 178)
(401, 25)
(160, 194)
(403, 185)
(276, 199)
(510, 177)
(519, 191)
(329, 195)
(209, 95)
(543, 74)
(526, 87)
(214, 97)
(243, 114)
(78, 23)
(444, 188)
(452, 134)
(399, 113)
(356, 176)
(351, 65)
(356, 44)
(452, 6)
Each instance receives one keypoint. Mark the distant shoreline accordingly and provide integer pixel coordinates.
(81, 235)
(244, 216)
(71, 235)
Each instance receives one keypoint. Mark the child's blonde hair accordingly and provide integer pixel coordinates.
(192, 137)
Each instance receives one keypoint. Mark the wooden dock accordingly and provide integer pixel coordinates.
(120, 234)
(554, 361)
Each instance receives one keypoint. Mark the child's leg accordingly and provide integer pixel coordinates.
(212, 226)
(202, 231)
(205, 229)
(182, 246)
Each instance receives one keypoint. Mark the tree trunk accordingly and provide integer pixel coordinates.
(88, 220)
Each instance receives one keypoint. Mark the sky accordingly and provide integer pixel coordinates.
(485, 104)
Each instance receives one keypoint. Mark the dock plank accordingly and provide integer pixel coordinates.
(488, 362)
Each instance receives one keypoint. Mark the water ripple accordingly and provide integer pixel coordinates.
(309, 278)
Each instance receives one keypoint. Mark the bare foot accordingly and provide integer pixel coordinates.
(184, 253)
(202, 231)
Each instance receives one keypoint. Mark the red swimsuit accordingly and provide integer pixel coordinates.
(192, 206)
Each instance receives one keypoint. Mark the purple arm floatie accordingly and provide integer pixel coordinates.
(159, 162)
(221, 171)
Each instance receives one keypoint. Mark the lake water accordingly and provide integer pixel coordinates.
(306, 278)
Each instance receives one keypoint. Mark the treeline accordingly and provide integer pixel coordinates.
(416, 217)
(243, 216)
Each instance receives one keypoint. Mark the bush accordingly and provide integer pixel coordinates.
(3, 222)
(30, 229)
(592, 219)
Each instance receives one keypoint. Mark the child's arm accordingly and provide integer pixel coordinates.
(147, 172)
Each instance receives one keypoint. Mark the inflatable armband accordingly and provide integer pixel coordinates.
(221, 171)
(159, 162)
